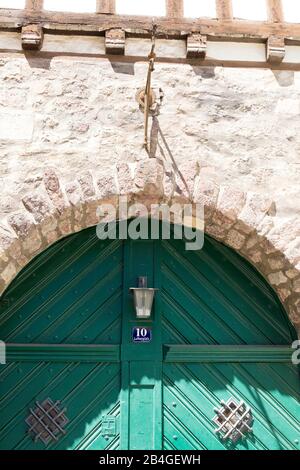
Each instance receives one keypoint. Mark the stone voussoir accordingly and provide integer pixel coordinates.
(125, 179)
(149, 176)
(38, 205)
(230, 202)
(87, 186)
(22, 223)
(256, 207)
(54, 191)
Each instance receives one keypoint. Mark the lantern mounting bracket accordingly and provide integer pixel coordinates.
(146, 96)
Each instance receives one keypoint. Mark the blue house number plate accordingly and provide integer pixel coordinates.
(141, 334)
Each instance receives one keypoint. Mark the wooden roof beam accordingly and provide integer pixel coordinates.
(34, 5)
(275, 11)
(106, 6)
(174, 8)
(224, 9)
(235, 30)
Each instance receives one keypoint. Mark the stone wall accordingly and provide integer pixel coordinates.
(71, 136)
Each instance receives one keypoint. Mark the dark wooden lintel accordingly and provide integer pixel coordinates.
(35, 5)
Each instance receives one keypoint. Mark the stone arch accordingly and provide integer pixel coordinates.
(247, 222)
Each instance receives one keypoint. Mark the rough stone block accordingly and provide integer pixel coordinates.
(254, 210)
(230, 201)
(22, 223)
(107, 186)
(125, 179)
(54, 191)
(38, 206)
(87, 185)
(149, 176)
(73, 193)
(278, 278)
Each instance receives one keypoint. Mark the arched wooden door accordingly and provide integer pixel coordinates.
(75, 379)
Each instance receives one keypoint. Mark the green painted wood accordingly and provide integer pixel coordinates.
(141, 260)
(141, 411)
(275, 410)
(88, 391)
(63, 353)
(225, 335)
(218, 331)
(62, 319)
(77, 298)
(216, 354)
(271, 430)
(219, 298)
(145, 417)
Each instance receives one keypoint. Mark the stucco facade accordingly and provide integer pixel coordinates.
(71, 136)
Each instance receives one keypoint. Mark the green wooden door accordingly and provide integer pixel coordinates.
(218, 332)
(226, 337)
(61, 319)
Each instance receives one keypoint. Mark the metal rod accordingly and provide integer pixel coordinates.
(142, 281)
(151, 58)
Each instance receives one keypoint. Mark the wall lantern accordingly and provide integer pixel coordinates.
(143, 298)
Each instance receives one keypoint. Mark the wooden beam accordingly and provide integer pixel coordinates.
(275, 11)
(63, 352)
(34, 5)
(255, 31)
(224, 9)
(174, 8)
(106, 6)
(216, 353)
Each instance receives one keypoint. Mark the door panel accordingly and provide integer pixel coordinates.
(213, 296)
(55, 315)
(144, 405)
(88, 391)
(73, 299)
(191, 391)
